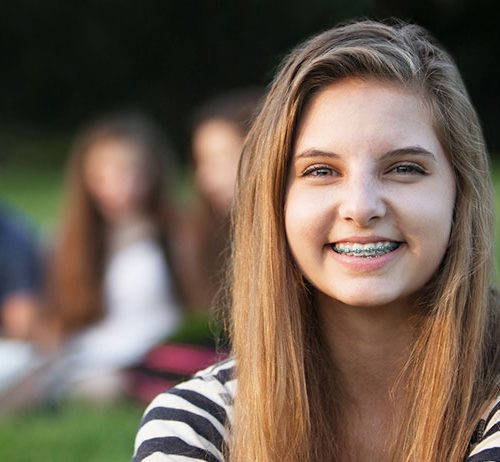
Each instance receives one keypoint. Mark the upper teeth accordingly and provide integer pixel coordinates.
(369, 249)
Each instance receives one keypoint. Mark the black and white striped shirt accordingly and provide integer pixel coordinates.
(190, 421)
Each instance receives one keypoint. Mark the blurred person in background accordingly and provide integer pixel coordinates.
(218, 131)
(19, 275)
(19, 296)
(111, 288)
(219, 127)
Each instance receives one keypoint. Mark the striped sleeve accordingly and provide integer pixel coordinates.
(189, 422)
(487, 448)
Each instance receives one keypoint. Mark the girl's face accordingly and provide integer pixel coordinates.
(216, 148)
(117, 177)
(370, 194)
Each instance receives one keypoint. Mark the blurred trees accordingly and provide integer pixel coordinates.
(62, 62)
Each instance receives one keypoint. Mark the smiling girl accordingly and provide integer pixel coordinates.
(363, 325)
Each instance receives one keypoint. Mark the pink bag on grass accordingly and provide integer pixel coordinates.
(169, 364)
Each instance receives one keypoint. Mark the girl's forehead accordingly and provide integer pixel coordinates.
(114, 149)
(356, 113)
(366, 92)
(115, 155)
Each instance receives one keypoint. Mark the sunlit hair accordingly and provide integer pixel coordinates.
(285, 407)
(75, 276)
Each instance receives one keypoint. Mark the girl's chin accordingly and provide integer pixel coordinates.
(361, 299)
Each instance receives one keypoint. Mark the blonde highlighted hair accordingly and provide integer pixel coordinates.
(285, 407)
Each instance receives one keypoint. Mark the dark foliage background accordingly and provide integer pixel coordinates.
(62, 62)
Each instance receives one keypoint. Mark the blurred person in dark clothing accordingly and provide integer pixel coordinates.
(19, 276)
(19, 297)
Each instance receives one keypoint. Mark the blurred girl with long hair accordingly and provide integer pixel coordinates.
(363, 323)
(218, 129)
(111, 289)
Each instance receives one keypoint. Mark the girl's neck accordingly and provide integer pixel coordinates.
(129, 229)
(369, 347)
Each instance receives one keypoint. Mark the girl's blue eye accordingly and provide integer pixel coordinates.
(408, 169)
(319, 171)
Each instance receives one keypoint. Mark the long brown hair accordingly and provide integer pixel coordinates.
(76, 269)
(285, 407)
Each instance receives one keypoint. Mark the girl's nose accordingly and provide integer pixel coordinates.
(361, 202)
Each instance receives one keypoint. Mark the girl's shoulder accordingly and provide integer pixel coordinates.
(486, 439)
(190, 421)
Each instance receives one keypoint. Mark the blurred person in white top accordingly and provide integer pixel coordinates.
(111, 286)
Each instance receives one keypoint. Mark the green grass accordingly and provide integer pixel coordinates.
(35, 191)
(496, 184)
(73, 433)
(31, 174)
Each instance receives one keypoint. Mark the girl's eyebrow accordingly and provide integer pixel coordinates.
(410, 150)
(404, 151)
(313, 152)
